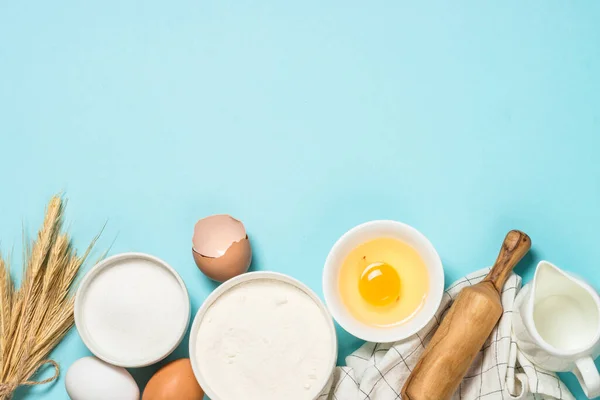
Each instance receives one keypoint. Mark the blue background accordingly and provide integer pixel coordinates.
(464, 119)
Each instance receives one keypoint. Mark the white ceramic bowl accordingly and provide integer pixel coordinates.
(128, 291)
(369, 231)
(204, 383)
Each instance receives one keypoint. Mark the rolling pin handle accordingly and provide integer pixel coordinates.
(516, 244)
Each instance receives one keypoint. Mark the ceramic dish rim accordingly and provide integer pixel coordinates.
(246, 277)
(78, 311)
(373, 333)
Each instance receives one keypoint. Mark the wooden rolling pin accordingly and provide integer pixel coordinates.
(465, 329)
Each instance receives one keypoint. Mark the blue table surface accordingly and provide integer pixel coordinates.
(464, 119)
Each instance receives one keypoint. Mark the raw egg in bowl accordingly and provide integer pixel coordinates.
(383, 281)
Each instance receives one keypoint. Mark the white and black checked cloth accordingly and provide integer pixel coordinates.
(377, 371)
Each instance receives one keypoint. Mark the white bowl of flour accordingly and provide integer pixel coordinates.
(263, 336)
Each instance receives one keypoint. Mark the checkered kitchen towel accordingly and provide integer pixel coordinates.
(377, 371)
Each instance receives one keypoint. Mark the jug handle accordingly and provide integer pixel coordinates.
(588, 376)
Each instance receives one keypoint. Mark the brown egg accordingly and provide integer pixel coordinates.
(221, 248)
(174, 381)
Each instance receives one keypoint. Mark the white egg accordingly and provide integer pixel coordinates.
(92, 379)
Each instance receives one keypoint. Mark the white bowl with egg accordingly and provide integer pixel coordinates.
(263, 336)
(132, 310)
(364, 233)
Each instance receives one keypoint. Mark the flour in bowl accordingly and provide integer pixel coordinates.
(265, 340)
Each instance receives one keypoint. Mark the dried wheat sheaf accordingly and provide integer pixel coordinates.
(35, 317)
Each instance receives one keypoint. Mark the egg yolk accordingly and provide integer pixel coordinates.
(379, 284)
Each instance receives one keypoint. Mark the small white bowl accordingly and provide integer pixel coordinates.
(361, 234)
(249, 276)
(127, 301)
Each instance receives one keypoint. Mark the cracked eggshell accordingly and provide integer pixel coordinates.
(221, 248)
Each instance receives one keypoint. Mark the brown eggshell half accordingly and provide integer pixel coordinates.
(234, 262)
(174, 381)
(214, 234)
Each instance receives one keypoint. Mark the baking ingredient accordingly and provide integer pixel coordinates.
(383, 282)
(464, 329)
(214, 235)
(35, 318)
(92, 379)
(134, 310)
(174, 381)
(265, 340)
(221, 248)
(379, 284)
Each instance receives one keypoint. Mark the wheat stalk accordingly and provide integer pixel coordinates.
(35, 318)
(6, 295)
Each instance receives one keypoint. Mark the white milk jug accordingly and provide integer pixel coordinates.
(556, 323)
